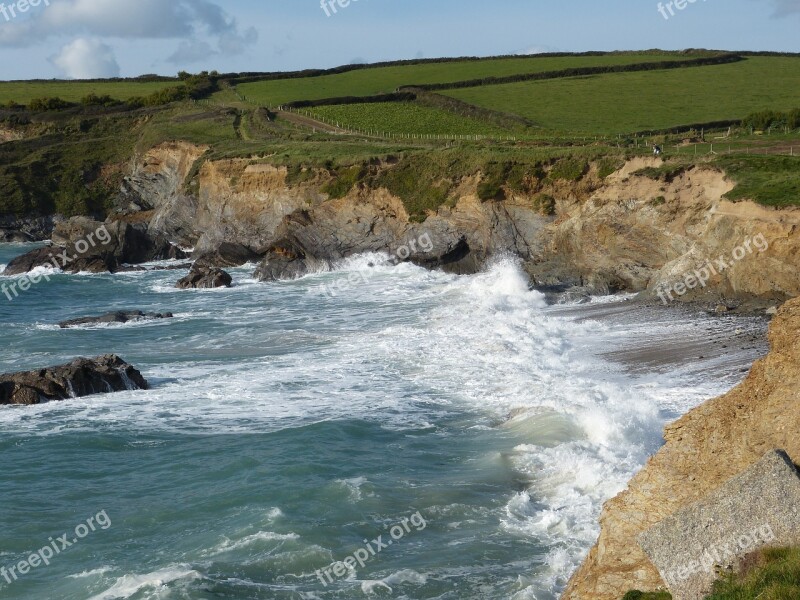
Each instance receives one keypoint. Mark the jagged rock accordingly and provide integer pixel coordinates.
(310, 240)
(205, 278)
(82, 244)
(284, 260)
(27, 229)
(760, 507)
(227, 254)
(81, 377)
(8, 236)
(115, 317)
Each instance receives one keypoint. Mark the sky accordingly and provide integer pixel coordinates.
(68, 39)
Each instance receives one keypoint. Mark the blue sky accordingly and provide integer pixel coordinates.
(94, 38)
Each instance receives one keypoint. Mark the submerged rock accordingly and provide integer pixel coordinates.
(115, 317)
(81, 377)
(205, 278)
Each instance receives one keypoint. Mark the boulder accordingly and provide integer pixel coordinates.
(81, 377)
(205, 278)
(115, 317)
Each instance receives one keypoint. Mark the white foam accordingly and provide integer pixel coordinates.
(128, 585)
(228, 545)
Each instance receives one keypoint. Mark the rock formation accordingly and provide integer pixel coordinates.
(200, 277)
(81, 377)
(114, 317)
(82, 244)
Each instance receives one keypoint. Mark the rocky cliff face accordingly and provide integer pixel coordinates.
(703, 450)
(673, 239)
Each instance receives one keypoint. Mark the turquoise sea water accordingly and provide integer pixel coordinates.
(284, 427)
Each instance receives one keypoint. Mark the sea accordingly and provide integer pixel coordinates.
(369, 431)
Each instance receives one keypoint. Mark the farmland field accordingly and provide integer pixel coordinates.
(23, 92)
(402, 118)
(627, 102)
(381, 80)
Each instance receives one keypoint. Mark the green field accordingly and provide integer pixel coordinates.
(403, 118)
(383, 80)
(22, 92)
(627, 102)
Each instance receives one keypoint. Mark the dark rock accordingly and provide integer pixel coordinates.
(81, 377)
(82, 244)
(284, 260)
(35, 258)
(205, 278)
(9, 236)
(227, 254)
(27, 229)
(115, 317)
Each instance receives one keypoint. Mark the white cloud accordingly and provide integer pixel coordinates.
(87, 59)
(197, 23)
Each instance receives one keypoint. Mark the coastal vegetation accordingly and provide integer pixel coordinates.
(68, 144)
(772, 574)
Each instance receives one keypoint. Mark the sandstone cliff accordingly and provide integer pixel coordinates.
(704, 449)
(627, 232)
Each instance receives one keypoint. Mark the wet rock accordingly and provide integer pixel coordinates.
(205, 278)
(227, 254)
(81, 377)
(8, 236)
(84, 245)
(115, 317)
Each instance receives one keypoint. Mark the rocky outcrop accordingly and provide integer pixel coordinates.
(703, 450)
(82, 244)
(31, 229)
(81, 377)
(227, 254)
(205, 278)
(10, 236)
(115, 317)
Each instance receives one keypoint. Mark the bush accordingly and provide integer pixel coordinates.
(344, 181)
(95, 100)
(45, 104)
(571, 169)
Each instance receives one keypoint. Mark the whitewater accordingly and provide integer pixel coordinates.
(287, 424)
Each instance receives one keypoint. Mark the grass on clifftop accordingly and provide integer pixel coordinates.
(769, 180)
(772, 574)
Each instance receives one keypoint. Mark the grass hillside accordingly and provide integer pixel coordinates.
(628, 102)
(22, 92)
(71, 158)
(383, 80)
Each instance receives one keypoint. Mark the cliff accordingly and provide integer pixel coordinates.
(703, 450)
(628, 231)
